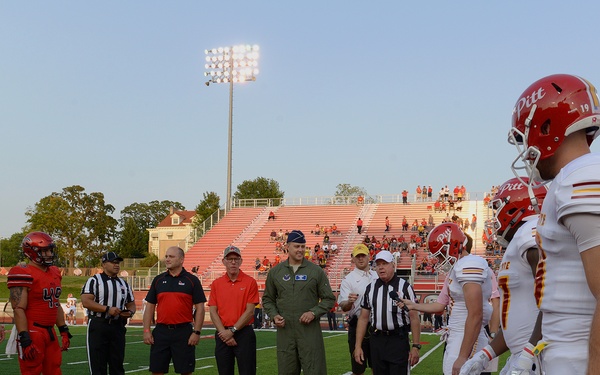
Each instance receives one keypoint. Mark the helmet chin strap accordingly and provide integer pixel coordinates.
(533, 199)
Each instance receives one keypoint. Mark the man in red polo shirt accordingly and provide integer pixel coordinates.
(233, 297)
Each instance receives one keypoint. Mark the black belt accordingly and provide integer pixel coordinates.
(107, 320)
(393, 332)
(173, 326)
(50, 330)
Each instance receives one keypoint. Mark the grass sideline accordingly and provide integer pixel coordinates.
(137, 353)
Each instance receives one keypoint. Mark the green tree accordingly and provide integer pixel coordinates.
(80, 224)
(132, 242)
(10, 250)
(144, 216)
(148, 215)
(258, 188)
(347, 194)
(206, 207)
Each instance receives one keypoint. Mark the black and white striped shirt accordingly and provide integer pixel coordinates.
(385, 315)
(108, 291)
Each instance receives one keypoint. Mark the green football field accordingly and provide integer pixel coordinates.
(137, 354)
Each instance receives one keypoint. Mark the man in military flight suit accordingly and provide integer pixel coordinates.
(297, 294)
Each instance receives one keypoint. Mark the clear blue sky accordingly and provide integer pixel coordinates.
(384, 95)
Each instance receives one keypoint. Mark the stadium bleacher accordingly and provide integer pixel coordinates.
(249, 229)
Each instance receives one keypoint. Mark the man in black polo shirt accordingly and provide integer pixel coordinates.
(109, 301)
(178, 298)
(389, 323)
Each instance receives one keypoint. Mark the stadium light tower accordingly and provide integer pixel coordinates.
(231, 65)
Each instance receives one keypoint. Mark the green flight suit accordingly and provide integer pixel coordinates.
(299, 346)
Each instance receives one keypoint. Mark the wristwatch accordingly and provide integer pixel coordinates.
(196, 332)
(418, 346)
(233, 329)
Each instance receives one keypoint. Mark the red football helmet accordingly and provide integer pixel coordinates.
(512, 205)
(34, 244)
(548, 111)
(446, 241)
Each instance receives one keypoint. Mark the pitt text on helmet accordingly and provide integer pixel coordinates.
(529, 100)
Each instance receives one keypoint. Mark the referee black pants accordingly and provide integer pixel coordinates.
(389, 354)
(106, 346)
(244, 352)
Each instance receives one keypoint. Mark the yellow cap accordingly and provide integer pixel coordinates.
(360, 249)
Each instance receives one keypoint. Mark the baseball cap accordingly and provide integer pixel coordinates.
(111, 256)
(360, 249)
(385, 256)
(231, 249)
(296, 236)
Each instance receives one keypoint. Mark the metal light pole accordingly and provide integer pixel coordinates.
(231, 65)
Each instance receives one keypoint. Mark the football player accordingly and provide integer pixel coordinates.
(513, 226)
(469, 287)
(553, 124)
(35, 290)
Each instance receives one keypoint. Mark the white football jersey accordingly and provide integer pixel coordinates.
(468, 269)
(561, 290)
(518, 308)
(471, 268)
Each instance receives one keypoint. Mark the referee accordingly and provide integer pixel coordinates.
(389, 323)
(110, 303)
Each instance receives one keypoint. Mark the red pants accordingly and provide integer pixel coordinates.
(49, 355)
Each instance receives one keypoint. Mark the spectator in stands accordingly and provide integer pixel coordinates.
(333, 247)
(441, 194)
(393, 244)
(463, 192)
(266, 262)
(326, 239)
(418, 193)
(424, 193)
(285, 235)
(387, 224)
(455, 192)
(271, 216)
(334, 229)
(317, 230)
(443, 209)
(466, 225)
(437, 206)
(429, 193)
(277, 260)
(446, 192)
(404, 196)
(430, 222)
(278, 246)
(367, 240)
(458, 206)
(404, 224)
(473, 222)
(280, 235)
(273, 235)
(257, 263)
(415, 225)
(359, 225)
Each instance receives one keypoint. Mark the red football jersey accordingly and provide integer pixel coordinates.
(44, 288)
